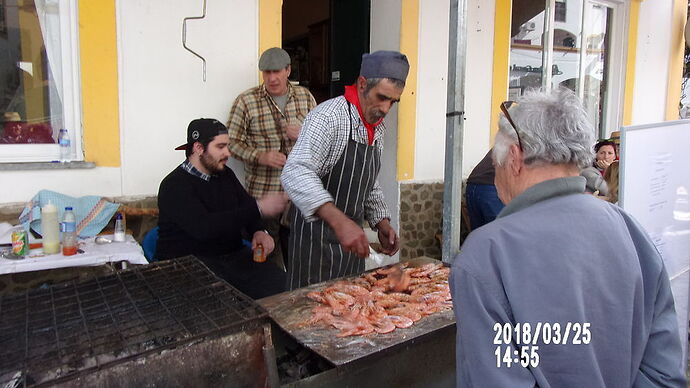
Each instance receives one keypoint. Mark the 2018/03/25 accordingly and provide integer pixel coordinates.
(527, 355)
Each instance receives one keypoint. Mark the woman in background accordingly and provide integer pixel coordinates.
(605, 155)
(611, 178)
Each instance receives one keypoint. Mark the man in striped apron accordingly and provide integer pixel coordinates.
(331, 176)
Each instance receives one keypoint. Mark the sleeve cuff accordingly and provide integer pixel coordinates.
(309, 213)
(253, 156)
(377, 217)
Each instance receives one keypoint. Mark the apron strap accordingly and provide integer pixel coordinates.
(349, 116)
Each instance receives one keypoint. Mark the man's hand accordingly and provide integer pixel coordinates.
(292, 131)
(291, 127)
(388, 238)
(350, 235)
(272, 204)
(263, 238)
(273, 159)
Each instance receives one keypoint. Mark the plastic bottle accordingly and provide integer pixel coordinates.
(119, 235)
(50, 229)
(65, 146)
(69, 232)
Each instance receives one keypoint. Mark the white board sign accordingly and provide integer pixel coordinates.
(654, 187)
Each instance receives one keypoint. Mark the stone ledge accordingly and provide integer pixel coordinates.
(46, 166)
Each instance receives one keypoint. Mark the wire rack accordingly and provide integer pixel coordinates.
(56, 332)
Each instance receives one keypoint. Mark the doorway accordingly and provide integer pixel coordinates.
(325, 40)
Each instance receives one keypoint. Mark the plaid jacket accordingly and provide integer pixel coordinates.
(254, 127)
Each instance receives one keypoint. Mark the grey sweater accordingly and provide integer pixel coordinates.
(541, 262)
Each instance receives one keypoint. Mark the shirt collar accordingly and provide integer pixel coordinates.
(352, 97)
(379, 129)
(545, 190)
(187, 166)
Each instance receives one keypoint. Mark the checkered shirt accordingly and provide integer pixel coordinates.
(320, 145)
(254, 127)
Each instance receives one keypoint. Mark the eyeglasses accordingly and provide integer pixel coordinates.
(505, 105)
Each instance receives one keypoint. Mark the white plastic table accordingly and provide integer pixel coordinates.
(94, 254)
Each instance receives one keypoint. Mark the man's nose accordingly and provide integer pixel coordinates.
(386, 106)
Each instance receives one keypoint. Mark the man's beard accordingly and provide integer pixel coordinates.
(376, 116)
(210, 164)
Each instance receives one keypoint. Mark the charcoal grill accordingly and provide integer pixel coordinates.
(169, 323)
(422, 355)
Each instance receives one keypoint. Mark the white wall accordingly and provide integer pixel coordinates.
(653, 54)
(161, 90)
(432, 86)
(385, 35)
(21, 186)
(161, 84)
(479, 81)
(432, 82)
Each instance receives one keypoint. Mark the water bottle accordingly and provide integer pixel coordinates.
(65, 146)
(119, 235)
(69, 232)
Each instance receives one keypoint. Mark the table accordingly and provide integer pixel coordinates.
(94, 254)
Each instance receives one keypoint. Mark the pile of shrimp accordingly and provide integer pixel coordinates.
(383, 300)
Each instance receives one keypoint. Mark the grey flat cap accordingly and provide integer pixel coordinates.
(274, 58)
(385, 64)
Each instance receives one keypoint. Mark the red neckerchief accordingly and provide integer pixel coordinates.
(353, 98)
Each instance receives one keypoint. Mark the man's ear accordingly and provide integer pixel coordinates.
(198, 148)
(361, 83)
(289, 70)
(516, 161)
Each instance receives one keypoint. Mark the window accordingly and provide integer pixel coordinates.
(584, 52)
(559, 11)
(38, 79)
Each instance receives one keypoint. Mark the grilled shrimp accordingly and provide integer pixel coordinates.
(426, 269)
(400, 321)
(316, 297)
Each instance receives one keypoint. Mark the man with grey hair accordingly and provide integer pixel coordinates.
(541, 297)
(331, 175)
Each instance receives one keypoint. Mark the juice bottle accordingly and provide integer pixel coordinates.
(69, 233)
(259, 255)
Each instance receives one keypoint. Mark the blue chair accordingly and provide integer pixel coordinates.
(149, 244)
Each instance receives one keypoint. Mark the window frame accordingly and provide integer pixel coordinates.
(615, 75)
(71, 101)
(617, 55)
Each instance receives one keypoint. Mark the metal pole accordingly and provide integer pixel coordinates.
(547, 44)
(455, 122)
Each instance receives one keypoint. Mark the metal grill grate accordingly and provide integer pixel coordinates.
(53, 333)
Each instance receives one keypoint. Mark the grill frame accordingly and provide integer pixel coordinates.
(65, 331)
